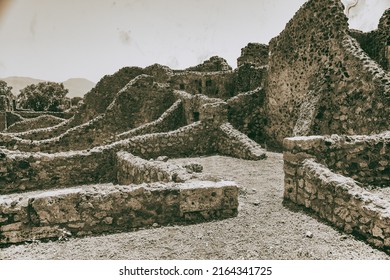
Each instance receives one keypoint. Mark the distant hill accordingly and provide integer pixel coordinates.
(76, 86)
(17, 83)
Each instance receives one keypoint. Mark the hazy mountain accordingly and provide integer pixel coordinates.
(17, 83)
(76, 86)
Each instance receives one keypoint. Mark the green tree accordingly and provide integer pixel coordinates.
(6, 96)
(5, 89)
(44, 96)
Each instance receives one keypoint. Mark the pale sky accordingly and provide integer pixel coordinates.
(60, 39)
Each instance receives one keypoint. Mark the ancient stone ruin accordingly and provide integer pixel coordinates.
(319, 91)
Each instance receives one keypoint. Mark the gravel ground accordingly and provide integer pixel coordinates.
(263, 229)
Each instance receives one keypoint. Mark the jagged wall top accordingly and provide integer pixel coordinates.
(213, 64)
(255, 54)
(318, 77)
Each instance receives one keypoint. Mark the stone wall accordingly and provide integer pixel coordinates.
(315, 57)
(249, 77)
(141, 102)
(213, 84)
(87, 210)
(171, 119)
(34, 123)
(246, 113)
(376, 43)
(190, 140)
(100, 97)
(33, 114)
(3, 121)
(213, 64)
(236, 144)
(317, 176)
(135, 170)
(363, 158)
(255, 54)
(36, 171)
(45, 132)
(13, 117)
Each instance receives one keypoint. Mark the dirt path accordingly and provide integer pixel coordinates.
(263, 229)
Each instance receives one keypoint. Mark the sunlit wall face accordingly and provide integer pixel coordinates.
(56, 39)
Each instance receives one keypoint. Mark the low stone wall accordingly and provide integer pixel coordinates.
(190, 140)
(236, 144)
(340, 201)
(33, 114)
(12, 118)
(90, 134)
(35, 123)
(36, 171)
(95, 209)
(21, 171)
(172, 119)
(45, 132)
(135, 170)
(363, 158)
(311, 167)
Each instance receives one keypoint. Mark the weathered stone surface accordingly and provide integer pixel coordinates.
(255, 54)
(313, 67)
(335, 197)
(111, 208)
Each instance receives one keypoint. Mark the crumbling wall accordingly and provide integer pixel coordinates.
(246, 113)
(317, 176)
(36, 171)
(87, 210)
(35, 123)
(45, 132)
(3, 121)
(172, 119)
(255, 54)
(100, 97)
(192, 104)
(314, 50)
(190, 140)
(12, 118)
(213, 84)
(135, 170)
(376, 43)
(139, 102)
(249, 77)
(236, 144)
(213, 64)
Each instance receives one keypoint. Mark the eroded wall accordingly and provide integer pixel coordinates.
(315, 64)
(377, 43)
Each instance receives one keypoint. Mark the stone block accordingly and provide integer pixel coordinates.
(201, 196)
